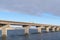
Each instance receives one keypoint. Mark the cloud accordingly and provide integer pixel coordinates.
(34, 7)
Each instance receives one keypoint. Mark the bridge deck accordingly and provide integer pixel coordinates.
(23, 23)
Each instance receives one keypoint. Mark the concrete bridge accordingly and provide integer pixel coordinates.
(5, 25)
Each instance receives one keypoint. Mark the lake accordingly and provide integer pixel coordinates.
(19, 35)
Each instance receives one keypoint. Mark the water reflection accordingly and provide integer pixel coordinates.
(16, 35)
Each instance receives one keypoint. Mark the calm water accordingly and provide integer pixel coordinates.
(19, 35)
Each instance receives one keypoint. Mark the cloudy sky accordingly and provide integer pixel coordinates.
(37, 11)
(45, 18)
(35, 7)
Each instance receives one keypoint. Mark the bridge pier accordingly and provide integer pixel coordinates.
(26, 28)
(4, 31)
(39, 28)
(4, 34)
(48, 28)
(54, 29)
(57, 29)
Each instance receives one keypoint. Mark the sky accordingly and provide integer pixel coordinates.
(34, 7)
(36, 11)
(45, 18)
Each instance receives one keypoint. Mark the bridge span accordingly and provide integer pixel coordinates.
(5, 25)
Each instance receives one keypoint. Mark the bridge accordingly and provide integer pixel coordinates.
(5, 25)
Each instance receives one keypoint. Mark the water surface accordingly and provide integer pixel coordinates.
(19, 35)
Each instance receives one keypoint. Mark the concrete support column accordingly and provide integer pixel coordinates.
(0, 28)
(26, 27)
(57, 29)
(39, 29)
(54, 29)
(4, 34)
(48, 28)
